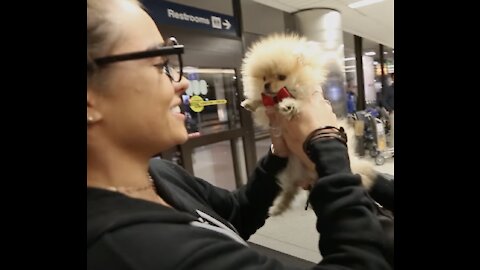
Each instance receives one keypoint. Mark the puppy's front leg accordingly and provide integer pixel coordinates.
(251, 104)
(289, 107)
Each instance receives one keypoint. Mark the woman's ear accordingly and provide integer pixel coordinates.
(93, 114)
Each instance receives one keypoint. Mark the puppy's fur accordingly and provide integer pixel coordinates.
(293, 62)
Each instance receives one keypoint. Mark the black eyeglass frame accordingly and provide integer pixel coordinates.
(175, 49)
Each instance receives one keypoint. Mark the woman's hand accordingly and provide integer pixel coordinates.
(314, 113)
(279, 147)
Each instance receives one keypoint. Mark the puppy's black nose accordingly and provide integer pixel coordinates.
(267, 87)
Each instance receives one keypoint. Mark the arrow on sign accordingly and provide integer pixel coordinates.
(227, 24)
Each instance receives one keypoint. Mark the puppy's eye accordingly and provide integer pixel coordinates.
(264, 78)
(281, 77)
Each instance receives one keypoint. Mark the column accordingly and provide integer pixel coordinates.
(324, 25)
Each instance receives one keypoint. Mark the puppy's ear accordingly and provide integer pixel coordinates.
(299, 51)
(306, 50)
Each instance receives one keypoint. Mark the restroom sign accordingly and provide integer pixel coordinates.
(170, 13)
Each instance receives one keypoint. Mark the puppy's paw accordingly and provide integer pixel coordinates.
(274, 211)
(250, 105)
(289, 108)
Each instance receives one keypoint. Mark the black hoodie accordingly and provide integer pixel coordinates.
(207, 226)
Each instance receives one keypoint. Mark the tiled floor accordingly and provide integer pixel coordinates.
(292, 233)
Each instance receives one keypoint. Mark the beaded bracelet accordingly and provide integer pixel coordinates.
(325, 133)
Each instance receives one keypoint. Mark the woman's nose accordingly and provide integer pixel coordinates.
(181, 86)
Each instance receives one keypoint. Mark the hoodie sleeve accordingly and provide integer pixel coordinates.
(382, 191)
(247, 207)
(351, 234)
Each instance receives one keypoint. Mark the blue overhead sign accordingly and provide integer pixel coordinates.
(179, 15)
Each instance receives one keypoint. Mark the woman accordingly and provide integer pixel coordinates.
(151, 214)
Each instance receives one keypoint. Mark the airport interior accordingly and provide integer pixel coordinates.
(217, 33)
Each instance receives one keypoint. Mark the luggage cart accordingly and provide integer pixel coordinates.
(384, 152)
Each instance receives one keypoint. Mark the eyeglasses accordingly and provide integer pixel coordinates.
(172, 53)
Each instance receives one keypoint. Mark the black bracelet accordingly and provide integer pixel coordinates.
(325, 133)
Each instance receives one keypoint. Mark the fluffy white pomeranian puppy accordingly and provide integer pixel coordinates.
(283, 70)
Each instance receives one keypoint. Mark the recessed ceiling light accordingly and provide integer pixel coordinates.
(363, 3)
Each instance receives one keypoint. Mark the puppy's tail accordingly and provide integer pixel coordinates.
(359, 166)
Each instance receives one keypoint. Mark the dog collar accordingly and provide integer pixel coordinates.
(271, 101)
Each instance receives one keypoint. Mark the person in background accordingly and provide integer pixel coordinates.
(388, 94)
(389, 105)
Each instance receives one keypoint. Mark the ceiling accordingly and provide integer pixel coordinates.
(367, 46)
(373, 22)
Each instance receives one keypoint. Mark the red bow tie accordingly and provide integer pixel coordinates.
(271, 101)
